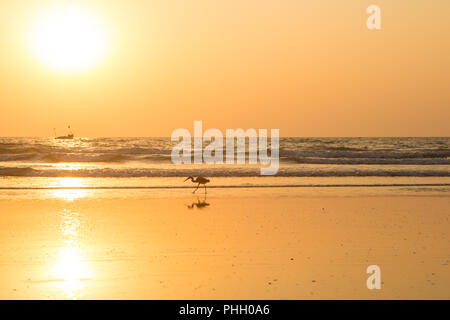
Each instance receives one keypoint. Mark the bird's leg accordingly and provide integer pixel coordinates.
(196, 188)
(205, 188)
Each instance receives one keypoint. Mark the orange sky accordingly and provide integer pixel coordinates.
(309, 68)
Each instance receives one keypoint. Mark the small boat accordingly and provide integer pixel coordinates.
(69, 136)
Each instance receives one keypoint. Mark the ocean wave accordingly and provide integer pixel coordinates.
(386, 154)
(289, 157)
(368, 161)
(53, 157)
(28, 156)
(218, 172)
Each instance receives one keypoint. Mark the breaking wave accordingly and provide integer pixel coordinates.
(299, 157)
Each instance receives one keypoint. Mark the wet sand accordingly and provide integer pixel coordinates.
(245, 244)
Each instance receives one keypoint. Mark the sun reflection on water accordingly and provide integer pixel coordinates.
(75, 190)
(70, 270)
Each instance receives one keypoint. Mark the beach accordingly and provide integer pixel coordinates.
(234, 243)
(115, 218)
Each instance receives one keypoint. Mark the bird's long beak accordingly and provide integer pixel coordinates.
(186, 180)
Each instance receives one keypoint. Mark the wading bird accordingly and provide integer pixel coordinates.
(199, 180)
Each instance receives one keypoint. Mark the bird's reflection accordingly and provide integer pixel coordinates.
(200, 204)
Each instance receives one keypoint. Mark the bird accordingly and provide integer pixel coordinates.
(199, 180)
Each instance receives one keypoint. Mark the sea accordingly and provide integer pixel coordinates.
(34, 163)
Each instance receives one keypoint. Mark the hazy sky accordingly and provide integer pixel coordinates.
(309, 68)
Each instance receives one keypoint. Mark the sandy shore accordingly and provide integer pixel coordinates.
(258, 244)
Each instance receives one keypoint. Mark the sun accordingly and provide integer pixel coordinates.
(68, 39)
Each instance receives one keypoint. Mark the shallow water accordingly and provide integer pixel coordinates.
(255, 243)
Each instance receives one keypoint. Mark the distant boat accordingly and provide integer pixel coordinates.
(69, 136)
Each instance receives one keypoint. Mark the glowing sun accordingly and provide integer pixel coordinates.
(68, 39)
